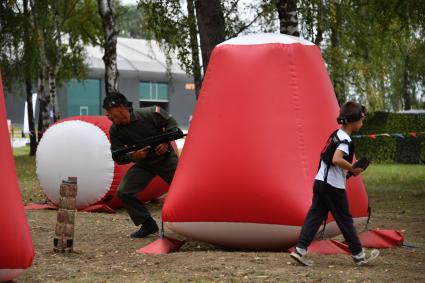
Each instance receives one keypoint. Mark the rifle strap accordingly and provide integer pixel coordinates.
(369, 214)
(322, 232)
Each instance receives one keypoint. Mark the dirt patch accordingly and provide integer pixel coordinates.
(105, 253)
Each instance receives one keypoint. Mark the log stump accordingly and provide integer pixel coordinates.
(64, 232)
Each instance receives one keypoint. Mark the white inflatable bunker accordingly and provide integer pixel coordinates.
(80, 147)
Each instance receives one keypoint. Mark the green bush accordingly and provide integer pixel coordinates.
(392, 149)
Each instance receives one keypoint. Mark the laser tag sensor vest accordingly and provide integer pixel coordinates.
(328, 151)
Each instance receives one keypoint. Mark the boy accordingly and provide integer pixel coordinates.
(329, 188)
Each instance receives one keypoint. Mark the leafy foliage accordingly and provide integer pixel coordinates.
(393, 149)
(371, 48)
(13, 62)
(365, 45)
(48, 21)
(130, 21)
(166, 22)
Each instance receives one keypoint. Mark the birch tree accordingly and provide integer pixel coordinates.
(288, 16)
(176, 28)
(107, 14)
(59, 59)
(58, 50)
(371, 48)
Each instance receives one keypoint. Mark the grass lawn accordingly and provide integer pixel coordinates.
(25, 170)
(105, 253)
(396, 187)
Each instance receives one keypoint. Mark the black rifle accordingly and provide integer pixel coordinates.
(361, 163)
(153, 142)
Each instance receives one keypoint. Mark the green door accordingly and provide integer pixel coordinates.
(83, 97)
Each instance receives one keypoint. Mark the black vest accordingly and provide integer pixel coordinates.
(328, 151)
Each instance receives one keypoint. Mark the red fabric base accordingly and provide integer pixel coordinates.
(92, 208)
(328, 247)
(37, 206)
(377, 239)
(381, 239)
(161, 246)
(98, 208)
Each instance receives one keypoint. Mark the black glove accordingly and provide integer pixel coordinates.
(361, 163)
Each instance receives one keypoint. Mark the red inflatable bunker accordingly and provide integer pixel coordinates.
(16, 248)
(80, 147)
(246, 172)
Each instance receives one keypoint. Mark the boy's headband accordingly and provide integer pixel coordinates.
(352, 118)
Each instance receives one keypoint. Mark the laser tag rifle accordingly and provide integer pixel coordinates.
(361, 163)
(153, 142)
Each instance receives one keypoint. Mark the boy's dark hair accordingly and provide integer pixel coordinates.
(351, 112)
(115, 99)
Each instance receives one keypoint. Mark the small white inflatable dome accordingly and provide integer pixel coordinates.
(75, 148)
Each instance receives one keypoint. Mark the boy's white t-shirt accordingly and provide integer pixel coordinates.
(336, 175)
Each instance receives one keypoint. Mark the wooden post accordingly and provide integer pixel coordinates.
(64, 232)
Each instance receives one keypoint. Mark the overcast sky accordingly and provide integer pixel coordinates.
(125, 2)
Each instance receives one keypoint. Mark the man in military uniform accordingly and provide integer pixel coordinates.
(130, 126)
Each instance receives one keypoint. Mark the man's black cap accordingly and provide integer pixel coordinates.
(114, 100)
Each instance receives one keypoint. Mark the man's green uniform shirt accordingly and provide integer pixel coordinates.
(144, 123)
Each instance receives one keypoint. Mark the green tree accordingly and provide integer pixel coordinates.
(176, 32)
(129, 20)
(372, 49)
(18, 56)
(61, 48)
(386, 51)
(176, 27)
(41, 43)
(108, 16)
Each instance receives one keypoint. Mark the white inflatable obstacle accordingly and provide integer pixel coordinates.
(80, 147)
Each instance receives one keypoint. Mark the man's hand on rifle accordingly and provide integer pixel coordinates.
(161, 149)
(140, 154)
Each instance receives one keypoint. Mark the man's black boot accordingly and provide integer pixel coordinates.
(148, 227)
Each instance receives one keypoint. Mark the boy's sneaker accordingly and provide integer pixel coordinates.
(361, 258)
(300, 256)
